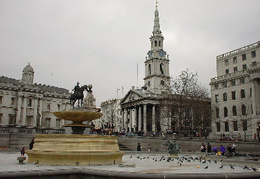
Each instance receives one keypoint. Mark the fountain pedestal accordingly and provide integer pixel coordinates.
(60, 149)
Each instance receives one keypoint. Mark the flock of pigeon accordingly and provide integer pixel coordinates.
(199, 161)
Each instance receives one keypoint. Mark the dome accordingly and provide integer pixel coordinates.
(28, 69)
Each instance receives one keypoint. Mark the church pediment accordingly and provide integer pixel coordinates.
(131, 96)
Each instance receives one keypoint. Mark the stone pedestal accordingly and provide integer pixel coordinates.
(60, 149)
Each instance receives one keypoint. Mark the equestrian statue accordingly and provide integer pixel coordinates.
(78, 94)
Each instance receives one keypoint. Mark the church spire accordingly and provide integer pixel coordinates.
(156, 27)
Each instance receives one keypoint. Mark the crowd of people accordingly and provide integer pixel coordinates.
(230, 150)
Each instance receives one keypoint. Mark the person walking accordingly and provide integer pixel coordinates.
(139, 147)
(23, 151)
(209, 148)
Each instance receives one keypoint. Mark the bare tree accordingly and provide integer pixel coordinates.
(186, 104)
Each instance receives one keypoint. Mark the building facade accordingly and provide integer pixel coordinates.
(235, 92)
(25, 104)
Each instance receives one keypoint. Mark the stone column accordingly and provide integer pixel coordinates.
(126, 119)
(19, 108)
(24, 110)
(140, 118)
(131, 120)
(153, 118)
(145, 118)
(35, 108)
(136, 119)
(40, 112)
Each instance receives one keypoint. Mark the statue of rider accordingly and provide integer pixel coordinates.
(76, 89)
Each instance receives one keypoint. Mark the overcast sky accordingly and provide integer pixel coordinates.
(100, 42)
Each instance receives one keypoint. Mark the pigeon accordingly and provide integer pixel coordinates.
(221, 166)
(246, 167)
(204, 161)
(206, 167)
(215, 161)
(254, 169)
(231, 167)
(131, 156)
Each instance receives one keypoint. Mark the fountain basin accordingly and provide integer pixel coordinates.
(77, 117)
(60, 149)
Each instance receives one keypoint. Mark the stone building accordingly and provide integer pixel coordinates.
(27, 105)
(112, 116)
(235, 92)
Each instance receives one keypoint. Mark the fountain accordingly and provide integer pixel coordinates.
(76, 148)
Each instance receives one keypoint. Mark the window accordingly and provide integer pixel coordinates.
(216, 98)
(149, 69)
(47, 122)
(224, 96)
(217, 112)
(243, 109)
(11, 119)
(253, 54)
(243, 56)
(225, 112)
(233, 94)
(234, 60)
(244, 125)
(12, 100)
(244, 67)
(243, 95)
(29, 120)
(155, 43)
(58, 105)
(254, 64)
(149, 83)
(218, 126)
(226, 62)
(235, 69)
(242, 80)
(250, 92)
(216, 86)
(48, 106)
(234, 110)
(1, 118)
(227, 71)
(58, 123)
(1, 99)
(162, 83)
(235, 125)
(30, 102)
(159, 43)
(226, 127)
(233, 82)
(162, 68)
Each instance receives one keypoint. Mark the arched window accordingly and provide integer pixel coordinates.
(155, 43)
(149, 69)
(243, 95)
(234, 110)
(159, 43)
(243, 109)
(224, 96)
(161, 68)
(225, 111)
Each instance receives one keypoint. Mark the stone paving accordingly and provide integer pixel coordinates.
(144, 163)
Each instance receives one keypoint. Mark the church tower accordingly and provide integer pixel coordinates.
(157, 61)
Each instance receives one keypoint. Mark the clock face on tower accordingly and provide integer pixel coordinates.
(161, 53)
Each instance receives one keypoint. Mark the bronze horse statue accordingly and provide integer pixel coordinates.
(78, 94)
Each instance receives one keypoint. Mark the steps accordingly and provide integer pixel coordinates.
(123, 148)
